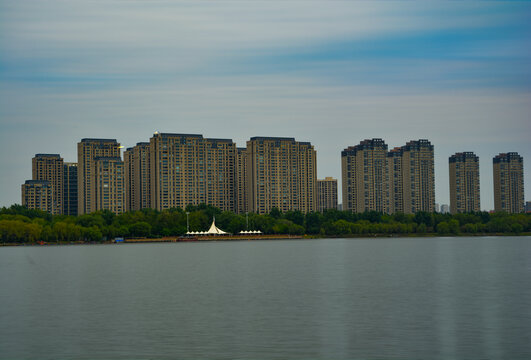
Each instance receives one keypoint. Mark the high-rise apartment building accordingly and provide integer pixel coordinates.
(87, 151)
(418, 177)
(365, 177)
(508, 169)
(189, 169)
(327, 193)
(464, 183)
(281, 173)
(129, 182)
(38, 194)
(137, 176)
(108, 184)
(49, 167)
(396, 188)
(241, 183)
(70, 188)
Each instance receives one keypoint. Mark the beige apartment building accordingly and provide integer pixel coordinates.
(130, 187)
(364, 177)
(241, 183)
(70, 183)
(109, 185)
(189, 169)
(137, 176)
(396, 188)
(281, 173)
(418, 177)
(87, 151)
(327, 193)
(508, 171)
(49, 167)
(464, 183)
(38, 194)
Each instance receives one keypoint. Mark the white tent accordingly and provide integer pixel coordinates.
(214, 230)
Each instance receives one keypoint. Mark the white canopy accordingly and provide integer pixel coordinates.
(250, 232)
(214, 230)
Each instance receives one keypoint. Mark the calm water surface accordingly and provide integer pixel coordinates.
(406, 298)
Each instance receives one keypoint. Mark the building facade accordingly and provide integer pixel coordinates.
(241, 169)
(327, 194)
(189, 169)
(396, 187)
(130, 188)
(282, 174)
(109, 184)
(464, 183)
(38, 194)
(418, 176)
(70, 182)
(365, 177)
(508, 171)
(137, 176)
(49, 167)
(87, 151)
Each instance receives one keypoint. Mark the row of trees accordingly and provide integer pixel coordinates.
(19, 224)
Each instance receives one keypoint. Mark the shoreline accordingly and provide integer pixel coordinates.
(202, 239)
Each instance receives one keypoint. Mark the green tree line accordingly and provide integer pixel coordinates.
(21, 225)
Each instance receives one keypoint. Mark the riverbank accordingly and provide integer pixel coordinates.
(179, 239)
(21, 225)
(213, 238)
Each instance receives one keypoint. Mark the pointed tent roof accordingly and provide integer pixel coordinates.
(213, 229)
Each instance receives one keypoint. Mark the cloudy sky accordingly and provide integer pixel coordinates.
(332, 73)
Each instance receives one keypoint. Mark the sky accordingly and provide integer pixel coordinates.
(332, 73)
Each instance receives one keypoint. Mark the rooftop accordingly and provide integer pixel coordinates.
(98, 140)
(273, 138)
(157, 134)
(37, 182)
(463, 156)
(510, 156)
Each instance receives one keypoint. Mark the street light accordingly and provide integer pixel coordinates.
(187, 223)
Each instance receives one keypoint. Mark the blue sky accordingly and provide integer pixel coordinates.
(332, 73)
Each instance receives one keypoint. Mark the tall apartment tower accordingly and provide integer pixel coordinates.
(70, 188)
(87, 151)
(241, 183)
(464, 183)
(327, 193)
(49, 167)
(129, 179)
(281, 173)
(137, 176)
(418, 177)
(396, 188)
(108, 184)
(508, 171)
(364, 177)
(38, 194)
(189, 169)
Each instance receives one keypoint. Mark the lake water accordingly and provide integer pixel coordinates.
(390, 298)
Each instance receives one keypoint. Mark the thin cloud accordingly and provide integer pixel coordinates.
(331, 73)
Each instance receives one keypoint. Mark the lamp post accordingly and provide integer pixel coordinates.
(187, 223)
(247, 221)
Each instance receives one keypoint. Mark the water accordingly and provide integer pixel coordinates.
(407, 298)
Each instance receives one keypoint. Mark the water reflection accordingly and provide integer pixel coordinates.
(345, 298)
